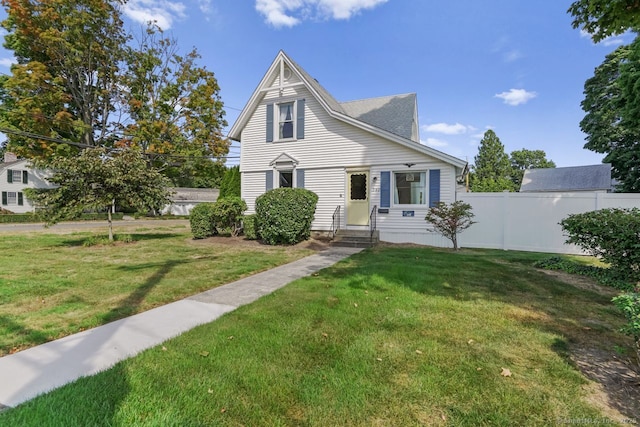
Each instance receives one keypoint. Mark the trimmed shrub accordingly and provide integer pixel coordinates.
(227, 214)
(284, 215)
(201, 221)
(611, 234)
(249, 225)
(230, 185)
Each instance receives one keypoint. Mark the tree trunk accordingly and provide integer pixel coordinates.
(110, 225)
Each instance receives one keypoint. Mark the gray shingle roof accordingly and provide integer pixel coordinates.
(391, 113)
(574, 178)
(394, 113)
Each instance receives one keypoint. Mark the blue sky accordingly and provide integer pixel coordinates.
(516, 67)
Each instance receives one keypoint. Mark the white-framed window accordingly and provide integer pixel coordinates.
(410, 188)
(286, 120)
(285, 178)
(17, 176)
(12, 197)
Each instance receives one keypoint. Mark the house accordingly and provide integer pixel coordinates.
(575, 178)
(15, 176)
(184, 199)
(362, 158)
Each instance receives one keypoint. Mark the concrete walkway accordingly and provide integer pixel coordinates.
(31, 372)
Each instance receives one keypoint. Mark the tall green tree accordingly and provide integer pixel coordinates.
(524, 159)
(82, 78)
(175, 107)
(604, 18)
(491, 169)
(98, 179)
(65, 82)
(611, 105)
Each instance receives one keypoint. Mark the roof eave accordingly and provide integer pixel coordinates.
(454, 161)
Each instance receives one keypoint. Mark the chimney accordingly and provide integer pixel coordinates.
(10, 157)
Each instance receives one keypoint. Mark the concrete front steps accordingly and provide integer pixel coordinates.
(355, 238)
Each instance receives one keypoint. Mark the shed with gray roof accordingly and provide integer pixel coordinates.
(574, 178)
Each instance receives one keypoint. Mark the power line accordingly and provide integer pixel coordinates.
(80, 145)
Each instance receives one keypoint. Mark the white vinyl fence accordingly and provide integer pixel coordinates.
(529, 221)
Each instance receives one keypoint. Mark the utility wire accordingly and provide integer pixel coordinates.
(80, 145)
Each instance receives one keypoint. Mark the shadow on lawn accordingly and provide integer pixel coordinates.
(583, 319)
(131, 304)
(83, 240)
(9, 326)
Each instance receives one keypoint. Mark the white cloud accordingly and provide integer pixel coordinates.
(608, 41)
(162, 12)
(288, 13)
(516, 96)
(205, 6)
(512, 55)
(446, 128)
(7, 62)
(433, 142)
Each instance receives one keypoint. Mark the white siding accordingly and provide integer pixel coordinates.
(330, 148)
(36, 179)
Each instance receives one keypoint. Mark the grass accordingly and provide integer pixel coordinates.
(52, 285)
(392, 336)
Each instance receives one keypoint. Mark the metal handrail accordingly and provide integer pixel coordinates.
(372, 221)
(335, 224)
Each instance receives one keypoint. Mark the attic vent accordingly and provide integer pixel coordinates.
(286, 74)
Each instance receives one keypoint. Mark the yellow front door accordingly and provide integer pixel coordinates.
(358, 198)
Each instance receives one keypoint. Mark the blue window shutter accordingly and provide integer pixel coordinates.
(299, 178)
(4, 197)
(300, 120)
(434, 187)
(20, 199)
(9, 176)
(385, 189)
(25, 177)
(269, 180)
(269, 122)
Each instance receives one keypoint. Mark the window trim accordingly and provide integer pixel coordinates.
(297, 120)
(293, 176)
(393, 188)
(15, 198)
(294, 120)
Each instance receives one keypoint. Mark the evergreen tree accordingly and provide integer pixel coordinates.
(230, 186)
(492, 169)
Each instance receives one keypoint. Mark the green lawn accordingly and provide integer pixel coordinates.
(52, 285)
(395, 336)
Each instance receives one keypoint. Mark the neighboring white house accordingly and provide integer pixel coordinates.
(361, 158)
(15, 176)
(574, 178)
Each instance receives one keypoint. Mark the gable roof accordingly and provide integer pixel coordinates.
(392, 113)
(574, 178)
(6, 165)
(383, 116)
